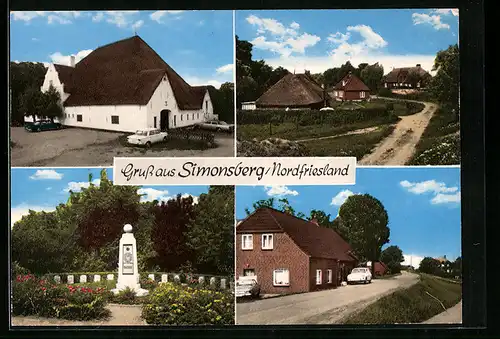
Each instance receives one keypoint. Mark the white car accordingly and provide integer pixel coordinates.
(247, 287)
(326, 109)
(360, 275)
(147, 137)
(216, 125)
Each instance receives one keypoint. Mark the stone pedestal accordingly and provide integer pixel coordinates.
(128, 275)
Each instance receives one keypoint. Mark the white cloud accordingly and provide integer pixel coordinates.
(53, 17)
(58, 58)
(442, 193)
(138, 24)
(339, 38)
(279, 190)
(26, 16)
(432, 20)
(49, 188)
(35, 39)
(280, 39)
(441, 198)
(225, 69)
(46, 175)
(17, 212)
(98, 17)
(196, 81)
(341, 197)
(151, 194)
(446, 11)
(121, 19)
(413, 260)
(77, 186)
(158, 15)
(370, 42)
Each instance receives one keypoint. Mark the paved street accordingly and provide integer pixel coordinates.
(323, 307)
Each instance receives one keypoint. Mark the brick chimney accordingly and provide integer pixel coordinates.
(314, 221)
(72, 61)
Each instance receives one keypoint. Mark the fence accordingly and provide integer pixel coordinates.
(189, 134)
(221, 282)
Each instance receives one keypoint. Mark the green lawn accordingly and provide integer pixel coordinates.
(440, 142)
(356, 145)
(291, 131)
(411, 305)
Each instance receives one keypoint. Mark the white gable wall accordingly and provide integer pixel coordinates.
(52, 77)
(130, 117)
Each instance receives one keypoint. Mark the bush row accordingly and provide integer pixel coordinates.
(310, 117)
(418, 96)
(172, 304)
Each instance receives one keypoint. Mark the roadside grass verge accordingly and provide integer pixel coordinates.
(440, 142)
(355, 145)
(290, 130)
(411, 305)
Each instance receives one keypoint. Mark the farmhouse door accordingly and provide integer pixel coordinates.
(164, 116)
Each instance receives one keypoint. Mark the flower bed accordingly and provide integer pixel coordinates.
(33, 296)
(175, 304)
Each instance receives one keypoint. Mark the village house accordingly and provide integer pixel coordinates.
(293, 91)
(287, 254)
(350, 88)
(407, 77)
(125, 86)
(378, 269)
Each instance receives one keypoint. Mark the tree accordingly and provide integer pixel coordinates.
(171, 220)
(364, 220)
(32, 102)
(223, 101)
(284, 206)
(392, 256)
(445, 85)
(414, 78)
(211, 235)
(52, 106)
(457, 267)
(372, 76)
(23, 76)
(430, 266)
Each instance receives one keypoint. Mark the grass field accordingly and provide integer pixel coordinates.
(413, 305)
(356, 145)
(440, 143)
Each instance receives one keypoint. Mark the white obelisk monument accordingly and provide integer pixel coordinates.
(128, 275)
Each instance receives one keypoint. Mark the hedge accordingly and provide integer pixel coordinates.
(311, 117)
(417, 96)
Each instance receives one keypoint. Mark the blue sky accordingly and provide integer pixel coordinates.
(42, 189)
(423, 205)
(199, 45)
(320, 39)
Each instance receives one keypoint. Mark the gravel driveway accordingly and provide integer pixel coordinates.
(323, 307)
(85, 147)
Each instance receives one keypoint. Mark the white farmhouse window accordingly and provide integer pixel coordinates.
(246, 241)
(361, 94)
(319, 277)
(267, 241)
(206, 106)
(198, 116)
(330, 276)
(181, 116)
(341, 94)
(281, 277)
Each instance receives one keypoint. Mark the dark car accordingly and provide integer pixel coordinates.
(42, 125)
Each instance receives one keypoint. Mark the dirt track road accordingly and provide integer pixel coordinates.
(323, 307)
(398, 148)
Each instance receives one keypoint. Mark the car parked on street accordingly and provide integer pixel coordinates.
(247, 287)
(360, 275)
(147, 137)
(42, 125)
(216, 125)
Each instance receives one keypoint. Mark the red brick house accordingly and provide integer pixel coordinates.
(290, 255)
(351, 88)
(380, 268)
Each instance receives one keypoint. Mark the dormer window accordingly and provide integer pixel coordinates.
(267, 241)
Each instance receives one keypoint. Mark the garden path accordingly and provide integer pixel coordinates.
(398, 148)
(121, 315)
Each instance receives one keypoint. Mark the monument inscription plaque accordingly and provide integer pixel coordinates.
(128, 259)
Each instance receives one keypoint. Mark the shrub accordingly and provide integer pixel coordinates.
(32, 296)
(126, 296)
(172, 304)
(148, 284)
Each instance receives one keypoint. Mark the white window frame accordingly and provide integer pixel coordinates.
(243, 237)
(270, 243)
(362, 94)
(283, 270)
(329, 276)
(319, 277)
(341, 94)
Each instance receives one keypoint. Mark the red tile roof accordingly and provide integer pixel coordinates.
(352, 83)
(64, 73)
(125, 72)
(314, 240)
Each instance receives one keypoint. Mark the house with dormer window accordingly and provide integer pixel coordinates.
(288, 254)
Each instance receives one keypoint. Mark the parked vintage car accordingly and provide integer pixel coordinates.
(147, 137)
(216, 125)
(247, 287)
(42, 125)
(360, 275)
